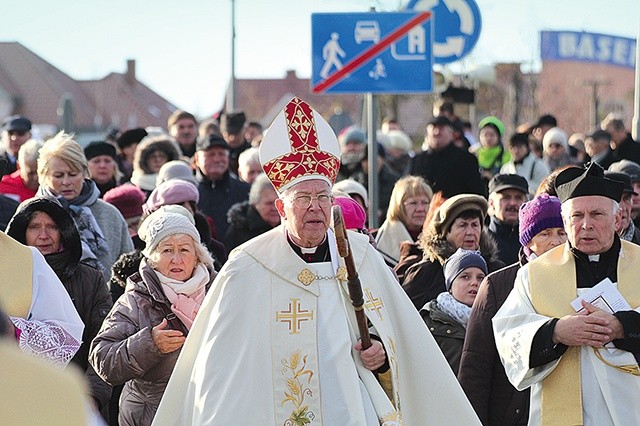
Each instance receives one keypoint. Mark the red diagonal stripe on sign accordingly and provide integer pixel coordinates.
(366, 56)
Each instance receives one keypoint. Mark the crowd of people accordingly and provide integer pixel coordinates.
(196, 274)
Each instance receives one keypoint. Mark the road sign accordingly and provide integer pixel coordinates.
(371, 52)
(457, 27)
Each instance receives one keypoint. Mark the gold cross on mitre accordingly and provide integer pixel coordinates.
(294, 316)
(373, 303)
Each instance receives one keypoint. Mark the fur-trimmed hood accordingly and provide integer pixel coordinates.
(148, 145)
(64, 263)
(436, 247)
(237, 214)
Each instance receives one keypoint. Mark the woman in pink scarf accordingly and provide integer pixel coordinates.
(142, 336)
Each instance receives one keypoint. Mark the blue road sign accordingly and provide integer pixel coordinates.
(457, 27)
(371, 52)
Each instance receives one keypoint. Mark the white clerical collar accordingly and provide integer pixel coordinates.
(307, 250)
(594, 258)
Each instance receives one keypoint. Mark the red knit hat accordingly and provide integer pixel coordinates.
(127, 198)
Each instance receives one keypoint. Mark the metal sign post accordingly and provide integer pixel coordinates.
(372, 158)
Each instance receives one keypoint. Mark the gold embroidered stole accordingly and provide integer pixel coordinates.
(16, 276)
(552, 283)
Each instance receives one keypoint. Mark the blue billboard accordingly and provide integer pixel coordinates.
(588, 47)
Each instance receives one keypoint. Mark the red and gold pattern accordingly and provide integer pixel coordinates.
(305, 158)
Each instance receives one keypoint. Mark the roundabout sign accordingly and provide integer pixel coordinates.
(457, 25)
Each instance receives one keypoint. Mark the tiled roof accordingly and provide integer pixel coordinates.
(36, 88)
(258, 98)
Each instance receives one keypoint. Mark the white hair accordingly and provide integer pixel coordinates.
(261, 183)
(202, 253)
(250, 155)
(29, 151)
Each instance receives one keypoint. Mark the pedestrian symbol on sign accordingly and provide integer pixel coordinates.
(330, 53)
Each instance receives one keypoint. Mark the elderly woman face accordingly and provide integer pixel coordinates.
(465, 233)
(415, 210)
(43, 233)
(176, 257)
(102, 168)
(64, 180)
(547, 239)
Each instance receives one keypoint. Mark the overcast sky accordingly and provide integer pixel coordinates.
(183, 48)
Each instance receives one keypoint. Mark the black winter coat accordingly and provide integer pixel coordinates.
(451, 170)
(481, 373)
(245, 223)
(508, 239)
(217, 197)
(448, 333)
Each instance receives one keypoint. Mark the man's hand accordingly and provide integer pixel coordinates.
(617, 332)
(167, 341)
(591, 327)
(372, 357)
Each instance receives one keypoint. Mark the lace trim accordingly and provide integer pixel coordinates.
(46, 340)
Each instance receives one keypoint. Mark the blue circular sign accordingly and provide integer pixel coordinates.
(457, 25)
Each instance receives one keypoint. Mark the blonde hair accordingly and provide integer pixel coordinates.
(61, 146)
(406, 187)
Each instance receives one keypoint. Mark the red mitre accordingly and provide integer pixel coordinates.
(299, 145)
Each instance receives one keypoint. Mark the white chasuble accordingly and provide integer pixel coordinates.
(272, 345)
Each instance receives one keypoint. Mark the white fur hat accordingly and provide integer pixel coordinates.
(555, 135)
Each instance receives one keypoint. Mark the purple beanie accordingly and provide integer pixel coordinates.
(543, 212)
(174, 191)
(461, 260)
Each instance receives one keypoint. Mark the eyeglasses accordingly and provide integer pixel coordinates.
(17, 132)
(416, 203)
(304, 201)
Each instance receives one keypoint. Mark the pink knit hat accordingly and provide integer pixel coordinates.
(353, 213)
(174, 191)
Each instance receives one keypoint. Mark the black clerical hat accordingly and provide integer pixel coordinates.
(579, 182)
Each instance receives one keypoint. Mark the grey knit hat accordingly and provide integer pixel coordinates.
(459, 261)
(176, 169)
(164, 222)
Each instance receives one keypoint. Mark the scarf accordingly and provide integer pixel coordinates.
(92, 239)
(186, 296)
(627, 235)
(493, 158)
(456, 310)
